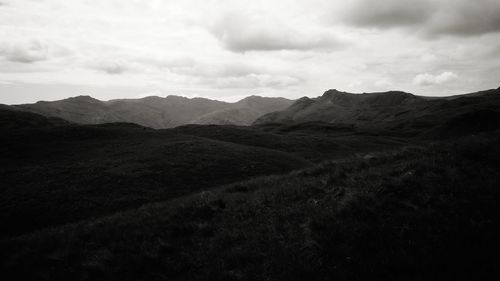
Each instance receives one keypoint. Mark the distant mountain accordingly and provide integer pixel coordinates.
(396, 110)
(168, 112)
(157, 112)
(244, 112)
(392, 110)
(341, 107)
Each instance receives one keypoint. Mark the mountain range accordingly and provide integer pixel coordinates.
(157, 112)
(368, 109)
(391, 109)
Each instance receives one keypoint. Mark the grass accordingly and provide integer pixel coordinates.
(66, 174)
(419, 213)
(314, 141)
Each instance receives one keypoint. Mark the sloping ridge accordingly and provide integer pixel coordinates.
(244, 112)
(80, 109)
(342, 107)
(471, 123)
(13, 118)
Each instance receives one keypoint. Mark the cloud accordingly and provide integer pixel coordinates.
(387, 13)
(242, 32)
(255, 81)
(26, 51)
(426, 79)
(466, 18)
(384, 83)
(430, 18)
(112, 66)
(215, 70)
(230, 47)
(236, 75)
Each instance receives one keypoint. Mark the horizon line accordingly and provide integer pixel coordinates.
(252, 95)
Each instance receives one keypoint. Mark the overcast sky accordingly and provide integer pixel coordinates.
(228, 49)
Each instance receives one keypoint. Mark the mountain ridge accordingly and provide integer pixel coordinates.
(157, 112)
(333, 106)
(367, 108)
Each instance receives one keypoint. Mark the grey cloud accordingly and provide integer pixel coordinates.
(252, 81)
(24, 52)
(113, 66)
(242, 33)
(467, 18)
(219, 70)
(387, 13)
(430, 18)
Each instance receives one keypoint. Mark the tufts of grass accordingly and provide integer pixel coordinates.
(420, 213)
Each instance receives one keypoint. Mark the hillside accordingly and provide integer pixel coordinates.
(13, 118)
(52, 176)
(341, 107)
(157, 112)
(394, 187)
(389, 110)
(413, 214)
(312, 141)
(244, 112)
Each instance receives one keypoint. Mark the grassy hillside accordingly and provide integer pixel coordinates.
(411, 196)
(52, 176)
(13, 118)
(419, 213)
(243, 112)
(314, 141)
(401, 113)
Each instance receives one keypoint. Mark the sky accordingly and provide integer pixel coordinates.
(229, 49)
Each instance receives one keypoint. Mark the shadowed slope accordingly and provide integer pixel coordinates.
(65, 174)
(396, 112)
(416, 214)
(341, 107)
(315, 141)
(13, 118)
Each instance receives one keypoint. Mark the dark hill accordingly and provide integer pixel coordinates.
(381, 186)
(13, 118)
(401, 113)
(441, 117)
(313, 141)
(471, 123)
(53, 176)
(341, 107)
(420, 213)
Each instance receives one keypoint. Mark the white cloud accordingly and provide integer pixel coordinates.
(426, 79)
